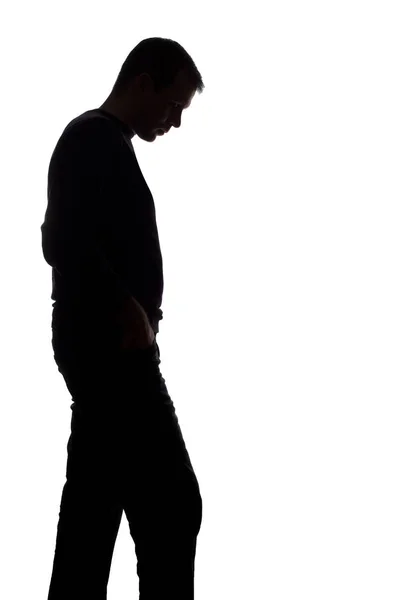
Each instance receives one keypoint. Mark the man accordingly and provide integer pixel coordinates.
(126, 451)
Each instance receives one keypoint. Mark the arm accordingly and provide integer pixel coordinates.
(80, 167)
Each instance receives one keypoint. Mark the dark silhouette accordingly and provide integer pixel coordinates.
(126, 451)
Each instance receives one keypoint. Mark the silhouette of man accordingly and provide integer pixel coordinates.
(126, 451)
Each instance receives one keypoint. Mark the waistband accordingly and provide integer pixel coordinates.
(67, 309)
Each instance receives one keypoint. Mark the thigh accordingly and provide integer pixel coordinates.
(102, 378)
(159, 488)
(92, 452)
(124, 408)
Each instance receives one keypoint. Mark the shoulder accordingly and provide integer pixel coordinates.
(89, 136)
(92, 128)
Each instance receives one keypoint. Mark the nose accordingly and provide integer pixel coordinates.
(175, 122)
(168, 128)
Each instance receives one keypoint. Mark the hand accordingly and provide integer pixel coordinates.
(137, 332)
(131, 341)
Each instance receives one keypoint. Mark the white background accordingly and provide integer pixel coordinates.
(277, 209)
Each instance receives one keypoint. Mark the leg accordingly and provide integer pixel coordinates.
(90, 511)
(164, 522)
(163, 505)
(89, 519)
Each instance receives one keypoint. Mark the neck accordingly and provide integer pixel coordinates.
(116, 108)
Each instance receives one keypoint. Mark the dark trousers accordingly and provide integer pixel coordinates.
(125, 453)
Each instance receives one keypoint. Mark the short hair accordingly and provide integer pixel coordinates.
(162, 59)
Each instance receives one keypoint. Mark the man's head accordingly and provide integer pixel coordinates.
(156, 83)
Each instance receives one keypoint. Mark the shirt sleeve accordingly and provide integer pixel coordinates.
(81, 167)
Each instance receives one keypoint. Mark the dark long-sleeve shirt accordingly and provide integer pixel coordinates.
(100, 233)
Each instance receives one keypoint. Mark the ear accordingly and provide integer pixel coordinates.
(145, 82)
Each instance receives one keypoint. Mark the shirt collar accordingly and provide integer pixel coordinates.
(125, 128)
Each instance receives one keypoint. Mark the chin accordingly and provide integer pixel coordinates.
(148, 136)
